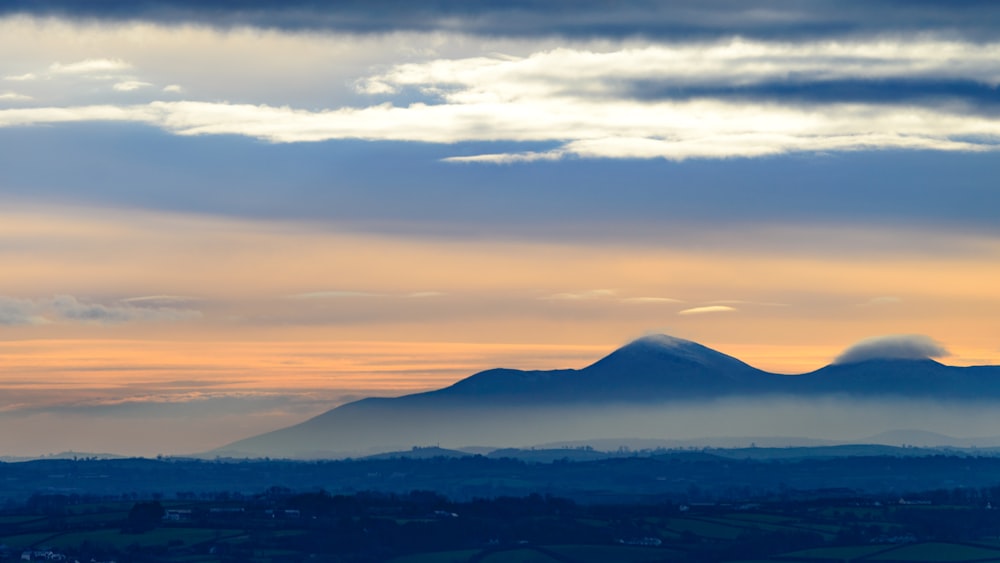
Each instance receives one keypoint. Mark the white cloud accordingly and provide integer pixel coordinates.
(173, 88)
(130, 85)
(580, 98)
(707, 310)
(28, 76)
(670, 130)
(14, 96)
(893, 347)
(509, 158)
(90, 66)
(591, 71)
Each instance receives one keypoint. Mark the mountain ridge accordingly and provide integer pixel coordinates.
(656, 373)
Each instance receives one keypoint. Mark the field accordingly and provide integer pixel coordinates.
(427, 528)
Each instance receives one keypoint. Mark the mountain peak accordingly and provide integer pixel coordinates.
(659, 360)
(661, 340)
(892, 347)
(664, 346)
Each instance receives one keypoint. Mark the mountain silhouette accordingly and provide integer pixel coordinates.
(651, 368)
(902, 377)
(658, 372)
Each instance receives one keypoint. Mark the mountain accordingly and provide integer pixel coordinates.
(924, 378)
(651, 368)
(655, 387)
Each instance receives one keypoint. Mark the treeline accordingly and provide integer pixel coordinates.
(289, 525)
(674, 477)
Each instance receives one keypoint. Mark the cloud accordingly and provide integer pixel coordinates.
(509, 158)
(744, 302)
(707, 309)
(167, 403)
(588, 295)
(158, 300)
(18, 312)
(609, 295)
(14, 96)
(130, 85)
(676, 131)
(173, 88)
(333, 295)
(679, 19)
(28, 76)
(90, 66)
(619, 70)
(580, 101)
(893, 347)
(651, 300)
(354, 294)
(69, 309)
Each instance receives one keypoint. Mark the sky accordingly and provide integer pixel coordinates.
(222, 218)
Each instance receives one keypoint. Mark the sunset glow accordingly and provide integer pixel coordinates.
(227, 226)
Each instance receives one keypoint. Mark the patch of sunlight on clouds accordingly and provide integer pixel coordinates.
(584, 97)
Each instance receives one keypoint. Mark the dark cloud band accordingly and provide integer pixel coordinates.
(977, 96)
(582, 18)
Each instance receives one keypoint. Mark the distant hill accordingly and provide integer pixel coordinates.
(61, 455)
(922, 438)
(823, 452)
(548, 455)
(419, 453)
(621, 394)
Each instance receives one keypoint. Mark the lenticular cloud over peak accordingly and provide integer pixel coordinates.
(893, 347)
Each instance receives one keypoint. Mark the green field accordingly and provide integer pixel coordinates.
(380, 527)
(704, 528)
(836, 553)
(525, 555)
(159, 537)
(24, 541)
(5, 520)
(459, 556)
(760, 518)
(937, 552)
(602, 553)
